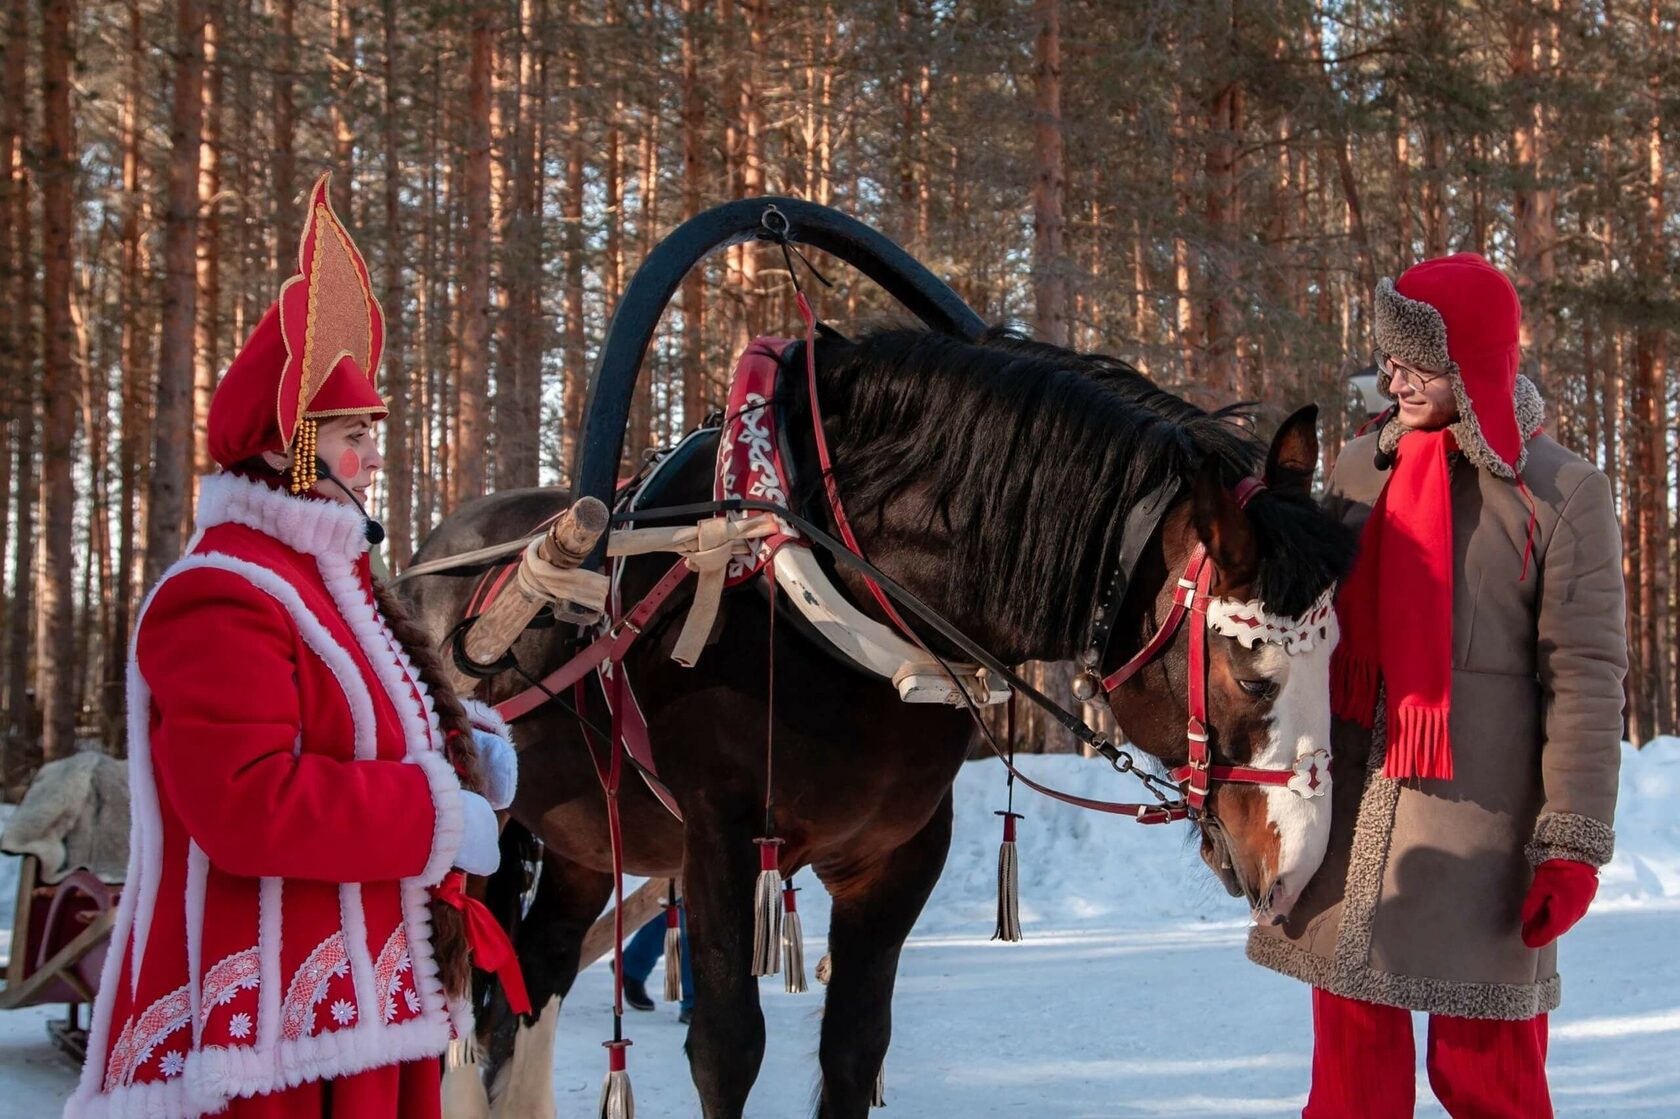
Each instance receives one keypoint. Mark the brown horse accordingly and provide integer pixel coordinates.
(992, 480)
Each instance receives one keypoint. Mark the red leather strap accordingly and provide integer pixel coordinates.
(1196, 784)
(831, 487)
(640, 745)
(611, 645)
(1183, 595)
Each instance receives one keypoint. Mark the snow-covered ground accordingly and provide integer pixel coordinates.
(1130, 995)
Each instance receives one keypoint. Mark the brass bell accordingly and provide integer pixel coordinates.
(1085, 686)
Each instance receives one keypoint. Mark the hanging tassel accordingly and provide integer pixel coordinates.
(463, 1084)
(617, 1100)
(1009, 883)
(767, 909)
(673, 947)
(793, 943)
(879, 1098)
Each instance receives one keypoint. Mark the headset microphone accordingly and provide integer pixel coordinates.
(374, 530)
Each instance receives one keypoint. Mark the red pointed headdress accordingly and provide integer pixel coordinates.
(313, 356)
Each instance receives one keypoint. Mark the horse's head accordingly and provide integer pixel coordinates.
(998, 481)
(1269, 631)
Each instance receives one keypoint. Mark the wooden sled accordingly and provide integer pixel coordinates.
(59, 939)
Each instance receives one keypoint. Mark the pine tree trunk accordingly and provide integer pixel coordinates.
(752, 166)
(1651, 408)
(344, 67)
(21, 744)
(399, 459)
(288, 224)
(136, 353)
(574, 347)
(1223, 215)
(612, 263)
(1050, 296)
(55, 651)
(694, 372)
(207, 340)
(166, 503)
(472, 431)
(14, 398)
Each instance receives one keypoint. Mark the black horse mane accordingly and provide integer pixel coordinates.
(1030, 453)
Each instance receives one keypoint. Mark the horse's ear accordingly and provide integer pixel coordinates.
(1224, 528)
(1294, 454)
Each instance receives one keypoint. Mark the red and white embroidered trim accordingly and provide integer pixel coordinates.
(222, 982)
(309, 986)
(143, 1034)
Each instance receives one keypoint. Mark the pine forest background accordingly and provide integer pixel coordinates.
(1211, 190)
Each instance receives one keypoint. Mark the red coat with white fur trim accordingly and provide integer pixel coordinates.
(290, 808)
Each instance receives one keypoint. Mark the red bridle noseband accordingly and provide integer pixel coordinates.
(1196, 776)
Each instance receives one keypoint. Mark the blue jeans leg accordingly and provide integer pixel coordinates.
(644, 949)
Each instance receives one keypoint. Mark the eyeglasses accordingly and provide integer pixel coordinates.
(1417, 378)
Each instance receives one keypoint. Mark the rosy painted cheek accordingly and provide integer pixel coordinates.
(349, 464)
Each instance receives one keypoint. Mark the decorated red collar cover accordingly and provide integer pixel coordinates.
(750, 462)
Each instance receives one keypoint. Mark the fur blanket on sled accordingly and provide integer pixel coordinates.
(75, 814)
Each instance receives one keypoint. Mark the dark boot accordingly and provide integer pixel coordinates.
(635, 993)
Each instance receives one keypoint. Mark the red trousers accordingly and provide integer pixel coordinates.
(1364, 1064)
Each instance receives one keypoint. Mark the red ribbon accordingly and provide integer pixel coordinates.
(491, 949)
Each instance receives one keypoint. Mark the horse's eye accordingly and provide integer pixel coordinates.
(1265, 689)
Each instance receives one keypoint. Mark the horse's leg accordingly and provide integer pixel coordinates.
(521, 1057)
(726, 1039)
(875, 906)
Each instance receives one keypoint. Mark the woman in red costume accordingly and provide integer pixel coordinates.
(304, 782)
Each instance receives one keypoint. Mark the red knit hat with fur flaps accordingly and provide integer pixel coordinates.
(1461, 315)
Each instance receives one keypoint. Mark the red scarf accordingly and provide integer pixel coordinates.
(1395, 612)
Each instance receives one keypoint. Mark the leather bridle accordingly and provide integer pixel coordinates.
(1190, 598)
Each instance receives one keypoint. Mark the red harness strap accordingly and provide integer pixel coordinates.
(830, 486)
(1187, 592)
(611, 645)
(1194, 776)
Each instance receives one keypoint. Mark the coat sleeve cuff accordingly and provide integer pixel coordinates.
(498, 761)
(485, 718)
(446, 803)
(1568, 835)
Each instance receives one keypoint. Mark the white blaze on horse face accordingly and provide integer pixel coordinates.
(1299, 725)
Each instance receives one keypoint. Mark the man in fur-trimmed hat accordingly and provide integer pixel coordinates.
(1478, 695)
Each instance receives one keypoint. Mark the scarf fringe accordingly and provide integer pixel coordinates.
(1353, 687)
(1418, 744)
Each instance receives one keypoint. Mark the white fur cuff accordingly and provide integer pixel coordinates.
(446, 802)
(485, 717)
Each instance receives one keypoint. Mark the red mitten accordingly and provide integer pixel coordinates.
(1562, 890)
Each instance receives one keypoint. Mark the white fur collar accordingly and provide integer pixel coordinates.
(312, 525)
